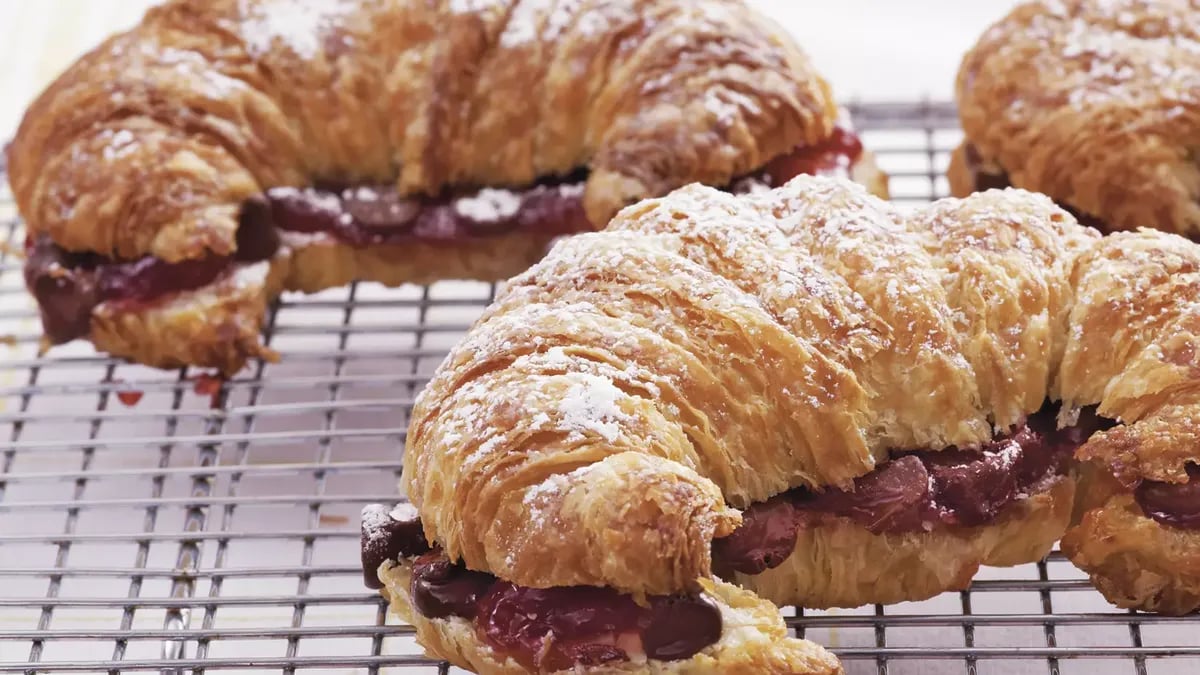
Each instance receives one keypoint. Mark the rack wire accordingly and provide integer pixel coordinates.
(192, 533)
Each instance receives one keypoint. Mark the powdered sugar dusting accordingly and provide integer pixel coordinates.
(375, 520)
(120, 144)
(523, 23)
(590, 405)
(297, 24)
(473, 6)
(489, 205)
(403, 511)
(1125, 52)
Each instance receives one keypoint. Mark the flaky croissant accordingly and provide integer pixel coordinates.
(867, 387)
(1091, 102)
(394, 140)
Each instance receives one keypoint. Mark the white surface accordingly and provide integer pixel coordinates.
(869, 49)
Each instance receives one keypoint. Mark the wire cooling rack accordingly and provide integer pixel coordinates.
(192, 533)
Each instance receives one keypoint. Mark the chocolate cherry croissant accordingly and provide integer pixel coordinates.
(806, 391)
(1092, 102)
(179, 176)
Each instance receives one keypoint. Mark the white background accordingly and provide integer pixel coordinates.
(869, 49)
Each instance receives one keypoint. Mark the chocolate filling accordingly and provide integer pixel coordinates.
(997, 179)
(917, 491)
(68, 286)
(1172, 504)
(545, 629)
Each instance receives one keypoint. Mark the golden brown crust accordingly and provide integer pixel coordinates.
(215, 327)
(738, 347)
(841, 564)
(1135, 348)
(754, 639)
(150, 143)
(1092, 103)
(1134, 561)
(959, 173)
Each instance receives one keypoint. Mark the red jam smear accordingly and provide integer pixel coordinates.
(915, 492)
(1172, 504)
(130, 397)
(835, 156)
(368, 215)
(544, 629)
(372, 215)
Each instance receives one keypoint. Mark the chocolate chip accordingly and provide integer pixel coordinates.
(64, 285)
(257, 238)
(680, 626)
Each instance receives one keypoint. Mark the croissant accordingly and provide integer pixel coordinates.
(178, 177)
(1138, 535)
(806, 391)
(1091, 102)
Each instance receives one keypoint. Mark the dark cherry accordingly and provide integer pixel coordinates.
(895, 497)
(766, 538)
(918, 490)
(679, 627)
(386, 537)
(305, 209)
(974, 486)
(1172, 504)
(544, 628)
(257, 238)
(151, 278)
(441, 589)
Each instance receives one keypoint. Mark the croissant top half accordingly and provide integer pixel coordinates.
(708, 350)
(1093, 102)
(150, 143)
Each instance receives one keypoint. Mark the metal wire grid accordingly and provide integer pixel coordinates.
(190, 533)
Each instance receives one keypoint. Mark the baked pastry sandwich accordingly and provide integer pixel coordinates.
(805, 391)
(1138, 534)
(178, 177)
(1092, 102)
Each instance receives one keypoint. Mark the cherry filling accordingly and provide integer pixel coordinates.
(368, 215)
(917, 491)
(68, 286)
(544, 629)
(997, 179)
(1172, 504)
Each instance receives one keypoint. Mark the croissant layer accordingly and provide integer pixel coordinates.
(150, 143)
(1090, 102)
